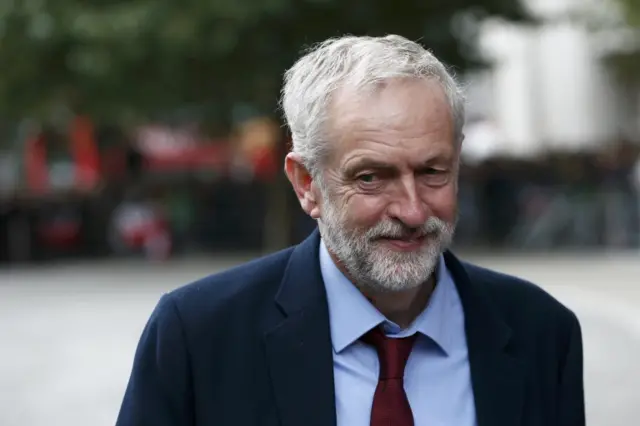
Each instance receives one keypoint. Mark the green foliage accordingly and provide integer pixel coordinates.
(120, 59)
(631, 10)
(626, 65)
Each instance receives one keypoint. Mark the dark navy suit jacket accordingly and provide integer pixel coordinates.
(251, 346)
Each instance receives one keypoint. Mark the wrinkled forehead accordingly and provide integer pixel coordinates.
(407, 109)
(396, 103)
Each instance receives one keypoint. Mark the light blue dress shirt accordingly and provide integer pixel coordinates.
(437, 376)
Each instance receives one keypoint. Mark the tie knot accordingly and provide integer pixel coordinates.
(393, 353)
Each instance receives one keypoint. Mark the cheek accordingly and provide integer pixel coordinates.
(443, 202)
(364, 210)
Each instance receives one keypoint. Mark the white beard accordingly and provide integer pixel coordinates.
(371, 265)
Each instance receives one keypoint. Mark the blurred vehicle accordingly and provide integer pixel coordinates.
(140, 227)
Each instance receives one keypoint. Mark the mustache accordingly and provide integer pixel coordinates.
(396, 230)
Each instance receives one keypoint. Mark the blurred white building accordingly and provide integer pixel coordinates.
(548, 87)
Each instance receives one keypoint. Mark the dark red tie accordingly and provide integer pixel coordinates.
(390, 403)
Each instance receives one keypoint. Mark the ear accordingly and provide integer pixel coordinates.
(303, 184)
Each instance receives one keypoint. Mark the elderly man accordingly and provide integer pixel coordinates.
(371, 320)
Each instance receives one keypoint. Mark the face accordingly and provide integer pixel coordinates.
(387, 203)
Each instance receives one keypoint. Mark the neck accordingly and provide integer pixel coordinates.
(402, 307)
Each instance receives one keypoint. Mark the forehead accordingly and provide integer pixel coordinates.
(404, 120)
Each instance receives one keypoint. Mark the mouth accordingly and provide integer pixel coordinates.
(410, 243)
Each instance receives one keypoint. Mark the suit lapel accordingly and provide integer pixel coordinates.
(497, 375)
(299, 351)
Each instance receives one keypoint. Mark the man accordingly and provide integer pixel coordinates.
(370, 321)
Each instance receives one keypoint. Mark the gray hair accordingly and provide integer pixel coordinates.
(359, 62)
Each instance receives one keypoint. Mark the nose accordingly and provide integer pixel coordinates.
(407, 207)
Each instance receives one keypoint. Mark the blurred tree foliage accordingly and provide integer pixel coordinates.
(627, 63)
(121, 60)
(631, 10)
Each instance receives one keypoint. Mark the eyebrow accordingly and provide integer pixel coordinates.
(370, 164)
(367, 164)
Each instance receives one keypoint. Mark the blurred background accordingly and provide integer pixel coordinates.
(141, 147)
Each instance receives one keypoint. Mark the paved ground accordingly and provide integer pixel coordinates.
(68, 332)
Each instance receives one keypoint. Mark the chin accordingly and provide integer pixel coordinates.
(424, 251)
(396, 284)
(400, 271)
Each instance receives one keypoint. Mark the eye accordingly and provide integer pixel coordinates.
(367, 178)
(435, 177)
(432, 171)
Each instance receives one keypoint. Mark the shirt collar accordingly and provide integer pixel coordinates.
(351, 315)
